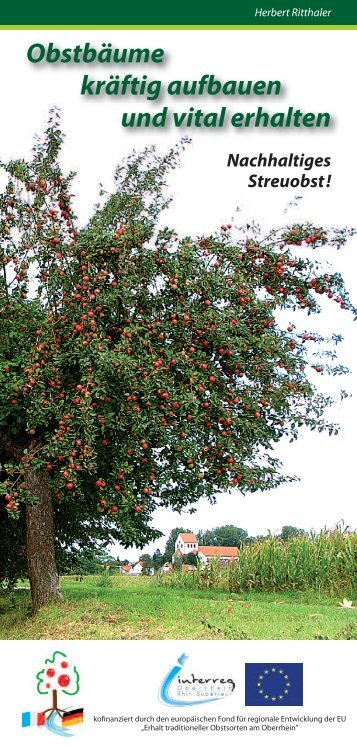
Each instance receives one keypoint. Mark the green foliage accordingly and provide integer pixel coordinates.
(104, 579)
(288, 531)
(13, 558)
(90, 561)
(147, 563)
(177, 563)
(139, 369)
(190, 558)
(157, 559)
(228, 535)
(323, 562)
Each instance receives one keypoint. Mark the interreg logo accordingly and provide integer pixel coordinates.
(57, 675)
(187, 689)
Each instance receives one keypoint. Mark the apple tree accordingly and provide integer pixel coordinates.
(58, 674)
(139, 369)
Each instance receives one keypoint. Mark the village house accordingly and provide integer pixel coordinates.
(168, 567)
(187, 542)
(133, 570)
(124, 569)
(225, 554)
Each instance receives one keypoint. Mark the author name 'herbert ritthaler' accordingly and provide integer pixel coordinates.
(293, 12)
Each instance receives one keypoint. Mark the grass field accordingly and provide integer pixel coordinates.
(139, 608)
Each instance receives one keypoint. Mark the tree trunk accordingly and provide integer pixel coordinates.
(42, 569)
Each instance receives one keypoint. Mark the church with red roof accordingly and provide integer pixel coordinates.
(187, 542)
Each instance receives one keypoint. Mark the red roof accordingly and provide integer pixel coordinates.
(218, 550)
(188, 537)
(126, 567)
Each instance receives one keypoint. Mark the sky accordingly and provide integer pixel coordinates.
(207, 194)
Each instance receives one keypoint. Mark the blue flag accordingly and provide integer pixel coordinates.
(274, 684)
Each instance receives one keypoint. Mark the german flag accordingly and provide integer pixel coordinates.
(74, 717)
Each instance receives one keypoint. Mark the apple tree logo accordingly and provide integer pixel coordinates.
(178, 689)
(57, 676)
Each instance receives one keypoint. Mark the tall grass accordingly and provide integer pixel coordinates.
(325, 562)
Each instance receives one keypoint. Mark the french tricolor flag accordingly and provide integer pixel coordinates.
(33, 719)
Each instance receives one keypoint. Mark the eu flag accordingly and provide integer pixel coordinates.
(274, 684)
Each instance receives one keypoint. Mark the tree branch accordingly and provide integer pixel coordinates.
(12, 448)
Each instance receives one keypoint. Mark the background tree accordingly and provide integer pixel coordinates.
(122, 562)
(190, 558)
(147, 563)
(256, 538)
(140, 370)
(228, 535)
(157, 559)
(177, 563)
(288, 531)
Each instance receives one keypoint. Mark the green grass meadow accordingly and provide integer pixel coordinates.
(118, 607)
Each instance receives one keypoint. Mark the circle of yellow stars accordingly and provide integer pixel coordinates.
(285, 683)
